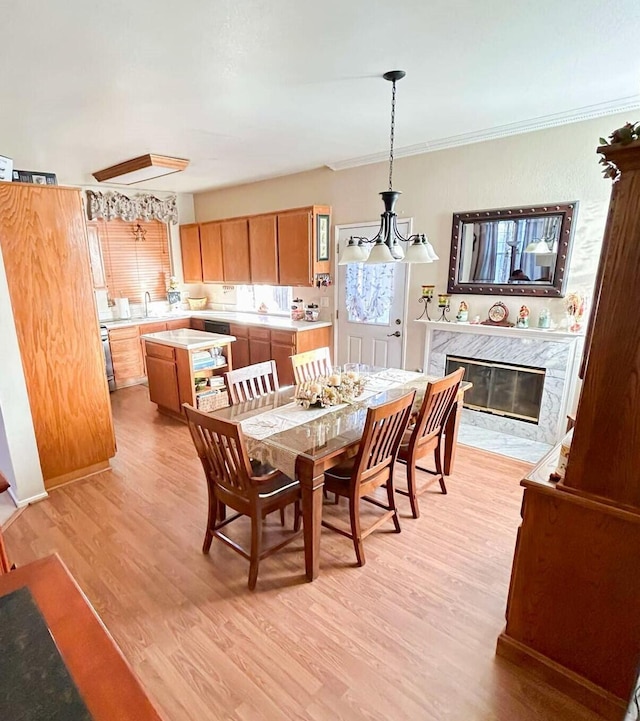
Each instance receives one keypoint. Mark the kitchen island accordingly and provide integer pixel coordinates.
(187, 366)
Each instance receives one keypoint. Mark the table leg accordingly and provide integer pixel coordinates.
(311, 516)
(451, 436)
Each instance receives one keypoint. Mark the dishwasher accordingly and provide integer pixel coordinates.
(216, 326)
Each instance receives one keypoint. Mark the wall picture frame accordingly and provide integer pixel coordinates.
(322, 237)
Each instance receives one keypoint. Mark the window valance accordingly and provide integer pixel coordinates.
(143, 206)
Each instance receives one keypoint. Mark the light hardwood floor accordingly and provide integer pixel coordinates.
(411, 635)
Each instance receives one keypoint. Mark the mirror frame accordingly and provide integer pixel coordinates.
(555, 290)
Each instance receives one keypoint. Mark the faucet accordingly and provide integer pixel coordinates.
(147, 300)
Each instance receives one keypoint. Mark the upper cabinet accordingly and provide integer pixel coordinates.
(285, 248)
(95, 256)
(263, 245)
(235, 251)
(191, 253)
(211, 249)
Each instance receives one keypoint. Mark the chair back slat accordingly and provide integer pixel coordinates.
(438, 402)
(311, 365)
(221, 448)
(251, 382)
(381, 437)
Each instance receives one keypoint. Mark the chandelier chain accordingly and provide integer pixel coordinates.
(393, 126)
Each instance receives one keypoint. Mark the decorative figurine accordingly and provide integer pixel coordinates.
(576, 306)
(463, 313)
(427, 297)
(523, 317)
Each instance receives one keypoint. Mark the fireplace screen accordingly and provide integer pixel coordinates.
(505, 389)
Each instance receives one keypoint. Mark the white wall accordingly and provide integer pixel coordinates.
(553, 165)
(19, 460)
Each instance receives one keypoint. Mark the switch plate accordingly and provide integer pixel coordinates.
(324, 302)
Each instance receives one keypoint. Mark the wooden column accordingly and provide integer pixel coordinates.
(572, 613)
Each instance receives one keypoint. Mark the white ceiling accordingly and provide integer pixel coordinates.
(248, 89)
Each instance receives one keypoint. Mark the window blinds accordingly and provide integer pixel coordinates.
(135, 262)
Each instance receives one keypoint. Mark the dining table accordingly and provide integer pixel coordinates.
(305, 442)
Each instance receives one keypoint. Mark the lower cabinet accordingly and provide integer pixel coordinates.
(283, 345)
(126, 354)
(149, 328)
(255, 345)
(259, 345)
(197, 324)
(240, 348)
(163, 382)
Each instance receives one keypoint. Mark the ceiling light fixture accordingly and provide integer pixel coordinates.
(146, 167)
(386, 247)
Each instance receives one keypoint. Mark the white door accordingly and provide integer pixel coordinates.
(371, 306)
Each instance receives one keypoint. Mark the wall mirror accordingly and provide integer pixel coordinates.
(512, 251)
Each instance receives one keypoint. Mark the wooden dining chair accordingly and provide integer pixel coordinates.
(245, 486)
(252, 381)
(370, 468)
(427, 435)
(311, 365)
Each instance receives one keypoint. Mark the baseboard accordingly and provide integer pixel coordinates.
(568, 682)
(76, 475)
(24, 502)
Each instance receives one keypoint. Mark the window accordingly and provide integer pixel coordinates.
(277, 298)
(136, 258)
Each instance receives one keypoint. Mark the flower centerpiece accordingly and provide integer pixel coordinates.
(330, 390)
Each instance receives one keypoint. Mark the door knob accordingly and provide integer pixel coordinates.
(395, 335)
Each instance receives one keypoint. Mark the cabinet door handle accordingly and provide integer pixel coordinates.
(397, 334)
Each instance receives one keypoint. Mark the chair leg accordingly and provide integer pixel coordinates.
(438, 455)
(212, 519)
(256, 543)
(411, 487)
(297, 516)
(392, 504)
(354, 513)
(282, 516)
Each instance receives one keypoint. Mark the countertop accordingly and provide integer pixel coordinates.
(269, 321)
(188, 339)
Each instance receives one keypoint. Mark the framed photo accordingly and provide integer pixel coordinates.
(322, 237)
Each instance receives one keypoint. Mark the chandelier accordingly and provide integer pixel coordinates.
(386, 246)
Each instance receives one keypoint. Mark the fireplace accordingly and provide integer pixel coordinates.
(532, 395)
(504, 389)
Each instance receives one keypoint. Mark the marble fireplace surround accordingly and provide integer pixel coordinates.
(556, 351)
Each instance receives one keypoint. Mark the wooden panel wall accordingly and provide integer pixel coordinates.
(44, 246)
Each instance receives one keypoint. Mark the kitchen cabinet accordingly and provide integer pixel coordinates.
(235, 251)
(283, 346)
(191, 253)
(148, 328)
(126, 354)
(259, 345)
(172, 376)
(211, 249)
(275, 248)
(197, 324)
(263, 249)
(163, 380)
(176, 324)
(241, 346)
(44, 245)
(295, 252)
(298, 260)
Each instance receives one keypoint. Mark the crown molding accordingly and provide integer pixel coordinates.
(589, 112)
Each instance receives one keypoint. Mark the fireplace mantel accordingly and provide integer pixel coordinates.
(499, 330)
